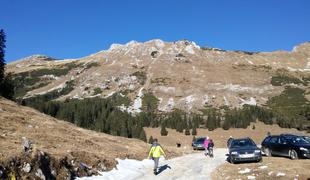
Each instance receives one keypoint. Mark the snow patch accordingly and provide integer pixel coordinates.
(97, 95)
(50, 76)
(115, 46)
(263, 167)
(244, 171)
(18, 66)
(239, 88)
(195, 45)
(301, 70)
(127, 169)
(159, 43)
(137, 104)
(169, 106)
(251, 101)
(291, 69)
(189, 49)
(110, 94)
(280, 174)
(250, 62)
(164, 89)
(188, 101)
(225, 101)
(77, 97)
(251, 177)
(205, 99)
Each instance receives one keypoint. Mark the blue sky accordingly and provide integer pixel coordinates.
(76, 28)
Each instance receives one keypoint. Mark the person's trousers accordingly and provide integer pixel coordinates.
(206, 151)
(156, 161)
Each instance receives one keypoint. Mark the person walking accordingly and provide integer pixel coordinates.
(155, 152)
(210, 147)
(229, 141)
(206, 145)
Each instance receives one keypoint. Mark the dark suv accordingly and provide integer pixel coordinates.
(287, 145)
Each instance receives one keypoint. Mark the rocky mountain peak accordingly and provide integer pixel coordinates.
(179, 74)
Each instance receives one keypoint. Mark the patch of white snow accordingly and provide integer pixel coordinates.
(244, 171)
(226, 101)
(280, 174)
(251, 177)
(263, 167)
(189, 49)
(251, 101)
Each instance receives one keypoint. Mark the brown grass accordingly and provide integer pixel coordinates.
(293, 169)
(219, 136)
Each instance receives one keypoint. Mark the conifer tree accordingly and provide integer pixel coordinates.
(163, 131)
(142, 135)
(194, 131)
(151, 140)
(187, 132)
(2, 52)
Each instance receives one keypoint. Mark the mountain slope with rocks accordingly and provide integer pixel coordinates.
(179, 74)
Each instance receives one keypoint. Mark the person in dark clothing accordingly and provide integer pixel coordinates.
(229, 141)
(210, 147)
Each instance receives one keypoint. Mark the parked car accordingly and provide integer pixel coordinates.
(287, 145)
(244, 150)
(198, 143)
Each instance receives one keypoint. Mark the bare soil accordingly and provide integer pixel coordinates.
(270, 168)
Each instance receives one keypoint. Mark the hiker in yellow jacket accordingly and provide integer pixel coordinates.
(155, 152)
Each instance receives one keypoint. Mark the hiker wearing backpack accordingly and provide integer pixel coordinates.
(155, 152)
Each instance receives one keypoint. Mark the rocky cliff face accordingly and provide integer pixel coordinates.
(180, 74)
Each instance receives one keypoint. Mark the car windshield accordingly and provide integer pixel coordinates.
(298, 140)
(201, 140)
(242, 143)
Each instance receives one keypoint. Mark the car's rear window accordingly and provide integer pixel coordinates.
(242, 143)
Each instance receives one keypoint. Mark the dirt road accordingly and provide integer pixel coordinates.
(193, 166)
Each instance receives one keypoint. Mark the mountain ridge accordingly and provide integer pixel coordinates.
(179, 74)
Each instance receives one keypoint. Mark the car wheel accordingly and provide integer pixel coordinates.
(267, 152)
(293, 154)
(231, 161)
